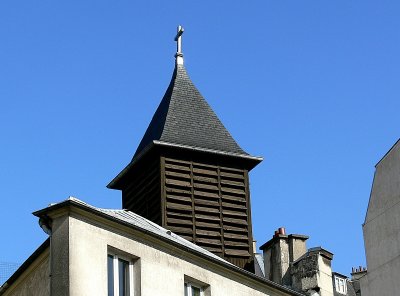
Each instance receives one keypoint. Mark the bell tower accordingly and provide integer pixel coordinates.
(189, 175)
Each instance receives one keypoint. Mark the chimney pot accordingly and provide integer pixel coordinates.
(281, 230)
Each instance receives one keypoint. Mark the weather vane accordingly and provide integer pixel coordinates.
(178, 39)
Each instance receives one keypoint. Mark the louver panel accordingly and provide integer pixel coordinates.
(179, 201)
(209, 205)
(142, 196)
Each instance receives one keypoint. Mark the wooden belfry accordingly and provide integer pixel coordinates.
(190, 176)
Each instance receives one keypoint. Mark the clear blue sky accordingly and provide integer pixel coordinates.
(312, 86)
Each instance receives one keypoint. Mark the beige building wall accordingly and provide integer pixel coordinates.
(382, 229)
(160, 268)
(34, 281)
(324, 277)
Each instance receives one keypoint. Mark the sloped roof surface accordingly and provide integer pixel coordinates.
(140, 222)
(136, 220)
(185, 118)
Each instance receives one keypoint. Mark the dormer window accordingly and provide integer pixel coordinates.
(340, 285)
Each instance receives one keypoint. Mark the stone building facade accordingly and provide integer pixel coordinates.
(381, 229)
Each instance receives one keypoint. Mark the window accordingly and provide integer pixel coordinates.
(340, 285)
(120, 276)
(193, 290)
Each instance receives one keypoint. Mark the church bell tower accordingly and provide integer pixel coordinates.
(189, 175)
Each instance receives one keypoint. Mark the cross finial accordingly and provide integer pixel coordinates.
(178, 39)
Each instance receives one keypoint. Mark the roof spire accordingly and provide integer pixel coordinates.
(178, 39)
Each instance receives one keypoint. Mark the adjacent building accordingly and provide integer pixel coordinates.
(382, 229)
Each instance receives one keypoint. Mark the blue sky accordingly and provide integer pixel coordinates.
(312, 86)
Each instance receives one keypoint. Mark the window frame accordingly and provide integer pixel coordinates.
(188, 288)
(338, 282)
(115, 261)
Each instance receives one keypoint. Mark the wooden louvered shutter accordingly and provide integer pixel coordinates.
(209, 205)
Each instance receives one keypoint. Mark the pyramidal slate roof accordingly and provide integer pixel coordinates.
(185, 119)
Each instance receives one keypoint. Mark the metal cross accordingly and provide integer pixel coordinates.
(178, 39)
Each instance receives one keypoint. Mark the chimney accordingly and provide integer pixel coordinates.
(357, 273)
(297, 246)
(280, 252)
(312, 273)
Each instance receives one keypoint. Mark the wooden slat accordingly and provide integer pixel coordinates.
(173, 182)
(179, 215)
(177, 175)
(205, 179)
(234, 206)
(235, 221)
(206, 186)
(203, 165)
(233, 176)
(177, 161)
(204, 172)
(232, 190)
(206, 209)
(207, 217)
(236, 236)
(206, 202)
(232, 183)
(175, 190)
(235, 229)
(234, 213)
(179, 197)
(179, 221)
(234, 198)
(206, 194)
(207, 225)
(207, 232)
(242, 253)
(235, 244)
(209, 241)
(177, 167)
(226, 169)
(178, 207)
(179, 230)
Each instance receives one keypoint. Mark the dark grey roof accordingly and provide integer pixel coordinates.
(184, 118)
